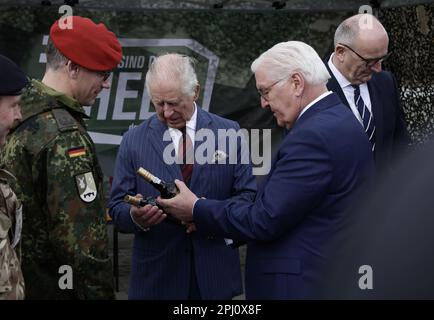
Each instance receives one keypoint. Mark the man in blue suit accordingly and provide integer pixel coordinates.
(361, 45)
(322, 162)
(168, 262)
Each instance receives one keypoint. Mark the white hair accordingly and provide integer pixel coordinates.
(286, 58)
(173, 67)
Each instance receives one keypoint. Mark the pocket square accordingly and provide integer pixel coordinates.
(219, 156)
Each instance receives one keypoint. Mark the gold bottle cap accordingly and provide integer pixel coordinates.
(132, 200)
(145, 174)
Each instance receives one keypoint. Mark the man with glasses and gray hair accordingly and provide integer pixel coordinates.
(361, 45)
(322, 162)
(64, 238)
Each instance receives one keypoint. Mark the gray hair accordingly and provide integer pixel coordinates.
(55, 59)
(349, 29)
(173, 66)
(286, 58)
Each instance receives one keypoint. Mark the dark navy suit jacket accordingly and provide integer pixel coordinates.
(161, 261)
(391, 136)
(318, 168)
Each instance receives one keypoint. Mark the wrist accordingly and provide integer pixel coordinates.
(145, 229)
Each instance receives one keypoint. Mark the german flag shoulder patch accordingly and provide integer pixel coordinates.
(77, 152)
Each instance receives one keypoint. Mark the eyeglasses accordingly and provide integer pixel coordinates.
(369, 62)
(104, 74)
(265, 91)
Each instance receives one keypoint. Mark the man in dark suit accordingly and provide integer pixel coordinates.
(320, 165)
(168, 262)
(361, 45)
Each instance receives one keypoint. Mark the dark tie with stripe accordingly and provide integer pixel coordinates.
(366, 115)
(185, 152)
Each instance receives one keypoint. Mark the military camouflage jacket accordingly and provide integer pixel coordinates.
(11, 277)
(60, 186)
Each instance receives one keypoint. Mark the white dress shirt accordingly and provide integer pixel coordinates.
(176, 136)
(190, 125)
(349, 90)
(325, 94)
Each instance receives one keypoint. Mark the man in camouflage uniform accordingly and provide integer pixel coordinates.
(54, 159)
(12, 80)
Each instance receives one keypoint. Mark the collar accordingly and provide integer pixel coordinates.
(343, 82)
(310, 104)
(190, 124)
(59, 96)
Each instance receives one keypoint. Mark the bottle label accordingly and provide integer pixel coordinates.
(155, 180)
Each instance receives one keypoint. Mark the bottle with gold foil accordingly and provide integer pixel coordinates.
(167, 189)
(140, 202)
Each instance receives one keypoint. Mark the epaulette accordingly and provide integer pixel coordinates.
(65, 121)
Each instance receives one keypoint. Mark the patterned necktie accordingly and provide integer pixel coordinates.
(366, 115)
(185, 152)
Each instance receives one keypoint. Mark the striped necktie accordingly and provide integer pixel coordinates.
(366, 115)
(185, 153)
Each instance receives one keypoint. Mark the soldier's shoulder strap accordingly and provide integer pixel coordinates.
(65, 121)
(49, 109)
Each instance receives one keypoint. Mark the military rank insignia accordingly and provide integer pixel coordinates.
(77, 152)
(86, 186)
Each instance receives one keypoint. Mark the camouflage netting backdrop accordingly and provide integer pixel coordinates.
(412, 43)
(236, 38)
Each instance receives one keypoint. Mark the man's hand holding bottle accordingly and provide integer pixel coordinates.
(148, 212)
(144, 214)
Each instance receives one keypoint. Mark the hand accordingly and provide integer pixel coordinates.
(148, 215)
(181, 206)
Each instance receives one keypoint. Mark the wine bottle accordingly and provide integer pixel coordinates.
(167, 189)
(140, 202)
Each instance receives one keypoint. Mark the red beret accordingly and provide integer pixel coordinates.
(88, 44)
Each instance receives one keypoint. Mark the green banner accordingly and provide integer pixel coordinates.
(223, 43)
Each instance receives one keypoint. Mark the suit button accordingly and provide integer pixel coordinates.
(210, 238)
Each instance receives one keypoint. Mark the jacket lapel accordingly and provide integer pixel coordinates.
(333, 85)
(202, 122)
(156, 131)
(327, 102)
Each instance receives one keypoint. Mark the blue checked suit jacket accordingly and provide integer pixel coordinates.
(161, 258)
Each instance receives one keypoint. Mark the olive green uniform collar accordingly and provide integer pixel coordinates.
(65, 100)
